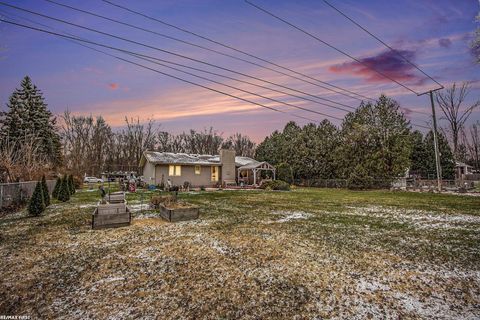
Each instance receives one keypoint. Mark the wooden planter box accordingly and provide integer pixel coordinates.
(111, 215)
(179, 214)
(115, 197)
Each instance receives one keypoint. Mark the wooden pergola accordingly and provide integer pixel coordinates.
(256, 168)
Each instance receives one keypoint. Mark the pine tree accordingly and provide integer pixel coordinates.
(46, 194)
(418, 157)
(71, 184)
(375, 142)
(27, 115)
(64, 192)
(56, 190)
(447, 160)
(37, 204)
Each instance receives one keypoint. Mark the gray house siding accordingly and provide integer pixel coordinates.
(187, 174)
(149, 173)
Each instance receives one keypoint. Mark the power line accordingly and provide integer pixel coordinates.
(140, 56)
(382, 42)
(195, 45)
(158, 71)
(201, 47)
(168, 52)
(238, 80)
(75, 39)
(243, 52)
(329, 45)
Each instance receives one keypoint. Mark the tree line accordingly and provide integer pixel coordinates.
(33, 142)
(373, 143)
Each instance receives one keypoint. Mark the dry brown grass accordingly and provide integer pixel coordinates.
(251, 255)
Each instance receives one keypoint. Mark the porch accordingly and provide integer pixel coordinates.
(251, 174)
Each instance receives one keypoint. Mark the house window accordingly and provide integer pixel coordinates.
(214, 175)
(174, 170)
(197, 169)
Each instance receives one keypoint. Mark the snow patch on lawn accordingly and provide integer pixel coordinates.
(89, 205)
(420, 219)
(364, 285)
(291, 215)
(138, 207)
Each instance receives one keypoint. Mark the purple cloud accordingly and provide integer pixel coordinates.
(445, 42)
(388, 62)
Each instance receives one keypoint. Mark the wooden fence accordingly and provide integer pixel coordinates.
(17, 192)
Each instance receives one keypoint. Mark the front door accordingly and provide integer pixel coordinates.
(214, 175)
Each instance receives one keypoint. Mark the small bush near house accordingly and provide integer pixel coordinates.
(71, 184)
(285, 172)
(37, 203)
(64, 192)
(57, 187)
(46, 194)
(202, 188)
(276, 185)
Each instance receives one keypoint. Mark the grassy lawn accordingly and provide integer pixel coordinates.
(304, 254)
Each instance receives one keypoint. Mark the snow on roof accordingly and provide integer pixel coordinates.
(243, 161)
(461, 164)
(257, 164)
(193, 159)
(178, 158)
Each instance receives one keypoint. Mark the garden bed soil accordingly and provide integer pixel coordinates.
(179, 212)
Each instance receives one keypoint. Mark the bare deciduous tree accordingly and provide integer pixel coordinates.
(86, 143)
(451, 103)
(475, 144)
(242, 145)
(22, 160)
(476, 42)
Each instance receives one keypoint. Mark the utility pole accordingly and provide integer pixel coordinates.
(435, 139)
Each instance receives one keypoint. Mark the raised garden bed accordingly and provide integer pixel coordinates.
(115, 197)
(111, 215)
(179, 212)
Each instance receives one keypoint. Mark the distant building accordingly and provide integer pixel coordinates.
(465, 172)
(202, 170)
(462, 169)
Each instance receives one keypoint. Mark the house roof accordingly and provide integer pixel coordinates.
(189, 159)
(257, 164)
(461, 164)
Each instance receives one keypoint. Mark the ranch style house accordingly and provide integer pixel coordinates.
(203, 170)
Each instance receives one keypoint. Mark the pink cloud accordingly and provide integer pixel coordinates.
(113, 86)
(389, 63)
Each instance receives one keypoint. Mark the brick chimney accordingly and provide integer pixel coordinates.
(227, 159)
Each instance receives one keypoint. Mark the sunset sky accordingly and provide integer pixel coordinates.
(434, 34)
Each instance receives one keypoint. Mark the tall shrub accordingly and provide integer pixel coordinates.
(37, 203)
(64, 192)
(56, 190)
(71, 184)
(285, 173)
(46, 194)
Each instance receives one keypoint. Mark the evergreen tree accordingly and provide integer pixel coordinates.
(57, 187)
(284, 172)
(27, 115)
(37, 204)
(46, 194)
(307, 151)
(64, 192)
(447, 160)
(71, 184)
(418, 156)
(375, 142)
